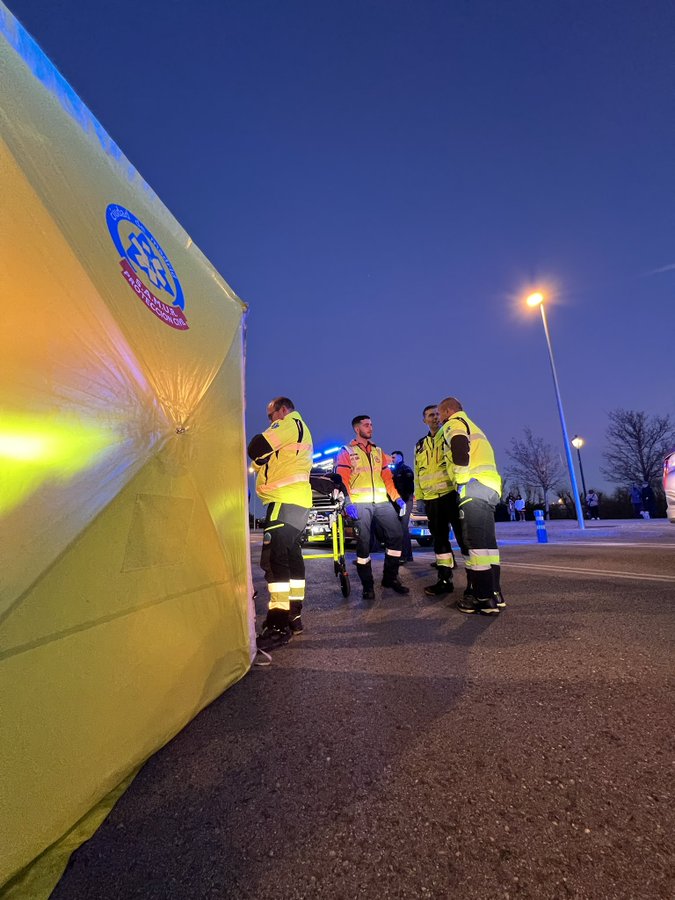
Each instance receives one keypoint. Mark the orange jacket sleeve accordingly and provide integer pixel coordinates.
(388, 479)
(343, 467)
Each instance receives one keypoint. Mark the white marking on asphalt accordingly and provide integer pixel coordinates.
(619, 544)
(592, 572)
(591, 544)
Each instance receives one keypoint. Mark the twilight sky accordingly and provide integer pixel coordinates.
(382, 181)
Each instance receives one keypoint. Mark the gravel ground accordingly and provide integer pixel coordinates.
(402, 750)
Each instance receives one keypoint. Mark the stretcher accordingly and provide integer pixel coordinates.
(329, 501)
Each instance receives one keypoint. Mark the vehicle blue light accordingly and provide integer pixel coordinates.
(332, 450)
(316, 455)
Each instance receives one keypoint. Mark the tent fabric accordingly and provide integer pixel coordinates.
(125, 588)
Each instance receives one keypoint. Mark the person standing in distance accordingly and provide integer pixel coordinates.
(404, 482)
(593, 504)
(282, 458)
(519, 506)
(363, 467)
(470, 460)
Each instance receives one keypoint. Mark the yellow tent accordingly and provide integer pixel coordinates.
(124, 564)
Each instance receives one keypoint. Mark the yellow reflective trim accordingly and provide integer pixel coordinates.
(272, 527)
(275, 512)
(483, 559)
(276, 586)
(280, 603)
(279, 595)
(446, 560)
(284, 482)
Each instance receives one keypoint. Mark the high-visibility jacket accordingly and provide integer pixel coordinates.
(482, 465)
(431, 475)
(283, 475)
(366, 473)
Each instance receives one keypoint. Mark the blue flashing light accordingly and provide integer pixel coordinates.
(332, 450)
(316, 455)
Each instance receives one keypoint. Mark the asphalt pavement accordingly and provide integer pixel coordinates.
(400, 749)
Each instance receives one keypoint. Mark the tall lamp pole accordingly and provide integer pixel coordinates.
(533, 300)
(578, 442)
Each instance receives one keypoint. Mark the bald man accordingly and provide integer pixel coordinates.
(470, 461)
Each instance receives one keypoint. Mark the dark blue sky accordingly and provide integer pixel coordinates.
(382, 180)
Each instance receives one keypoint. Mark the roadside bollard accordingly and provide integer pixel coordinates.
(542, 536)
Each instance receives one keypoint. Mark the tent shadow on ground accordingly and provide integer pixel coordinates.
(286, 753)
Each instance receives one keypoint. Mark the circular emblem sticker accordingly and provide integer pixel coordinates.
(146, 267)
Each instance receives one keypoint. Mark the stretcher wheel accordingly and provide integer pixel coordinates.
(345, 585)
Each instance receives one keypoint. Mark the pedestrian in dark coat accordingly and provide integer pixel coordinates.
(404, 480)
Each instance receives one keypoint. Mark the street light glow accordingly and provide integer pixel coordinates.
(535, 299)
(578, 442)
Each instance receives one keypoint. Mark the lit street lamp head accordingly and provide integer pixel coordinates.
(535, 299)
(577, 442)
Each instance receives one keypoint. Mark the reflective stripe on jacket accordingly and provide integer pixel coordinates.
(284, 475)
(431, 475)
(482, 465)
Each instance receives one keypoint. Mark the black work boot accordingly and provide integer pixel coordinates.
(276, 630)
(390, 577)
(365, 572)
(444, 584)
(294, 619)
(488, 607)
(499, 597)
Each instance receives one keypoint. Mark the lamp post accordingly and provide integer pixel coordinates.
(533, 300)
(579, 442)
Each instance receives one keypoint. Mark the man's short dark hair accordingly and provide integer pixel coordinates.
(427, 408)
(400, 453)
(278, 402)
(357, 419)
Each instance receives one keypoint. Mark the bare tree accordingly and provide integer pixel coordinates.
(637, 444)
(535, 464)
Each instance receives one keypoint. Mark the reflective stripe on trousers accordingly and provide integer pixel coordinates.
(279, 595)
(479, 560)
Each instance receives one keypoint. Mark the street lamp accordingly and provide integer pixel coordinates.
(579, 442)
(537, 299)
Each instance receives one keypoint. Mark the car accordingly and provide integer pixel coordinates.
(419, 527)
(669, 485)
